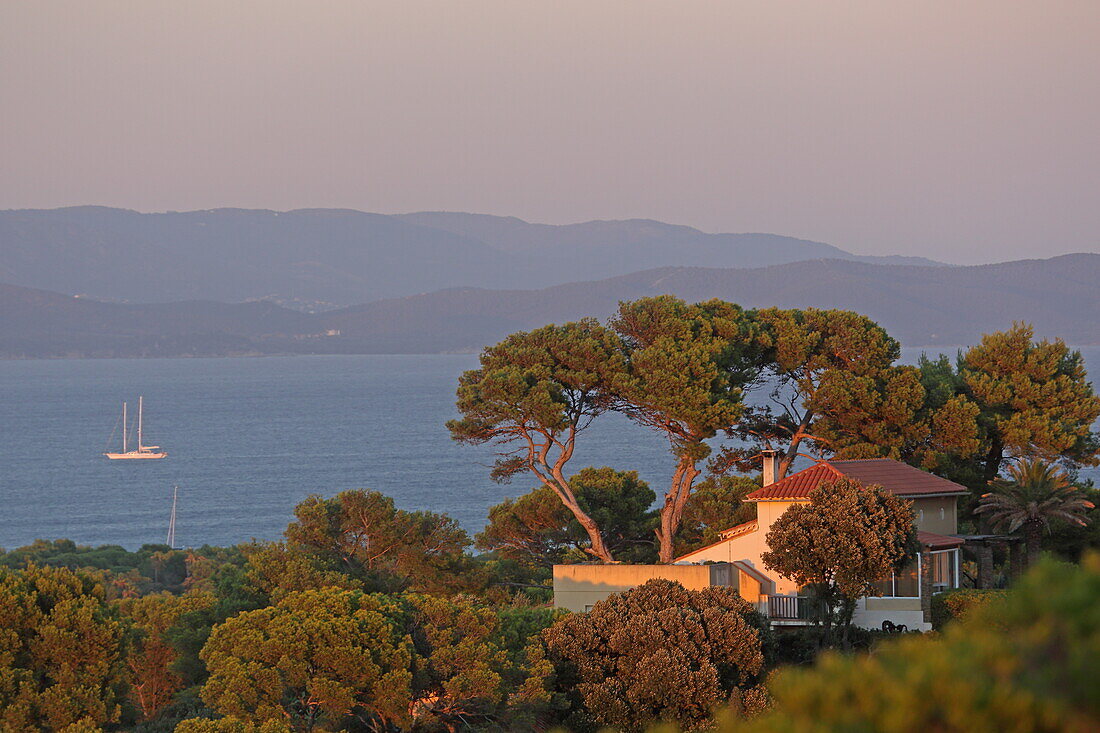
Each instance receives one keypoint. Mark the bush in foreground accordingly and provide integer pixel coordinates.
(657, 652)
(1029, 663)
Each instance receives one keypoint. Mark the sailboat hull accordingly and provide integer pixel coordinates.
(132, 455)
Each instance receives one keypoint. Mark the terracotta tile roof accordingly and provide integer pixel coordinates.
(894, 476)
(739, 530)
(796, 485)
(900, 478)
(934, 541)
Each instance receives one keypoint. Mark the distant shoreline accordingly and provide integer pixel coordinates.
(940, 348)
(368, 353)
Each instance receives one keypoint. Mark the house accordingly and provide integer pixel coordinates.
(906, 595)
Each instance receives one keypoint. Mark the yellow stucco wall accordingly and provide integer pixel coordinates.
(769, 511)
(578, 587)
(937, 514)
(748, 587)
(749, 547)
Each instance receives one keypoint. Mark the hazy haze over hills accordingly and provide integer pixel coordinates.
(920, 306)
(343, 257)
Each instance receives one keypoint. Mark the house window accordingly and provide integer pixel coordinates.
(945, 570)
(904, 583)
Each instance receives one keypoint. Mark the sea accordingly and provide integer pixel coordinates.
(248, 438)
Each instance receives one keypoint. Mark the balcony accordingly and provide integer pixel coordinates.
(789, 609)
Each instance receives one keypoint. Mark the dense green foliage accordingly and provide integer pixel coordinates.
(62, 651)
(537, 530)
(315, 658)
(152, 568)
(686, 370)
(151, 661)
(271, 638)
(1033, 400)
(363, 535)
(287, 636)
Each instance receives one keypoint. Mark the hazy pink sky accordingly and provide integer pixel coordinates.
(964, 131)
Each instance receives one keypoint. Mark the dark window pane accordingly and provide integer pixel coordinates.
(908, 585)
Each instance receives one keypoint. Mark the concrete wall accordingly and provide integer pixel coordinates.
(579, 587)
(871, 612)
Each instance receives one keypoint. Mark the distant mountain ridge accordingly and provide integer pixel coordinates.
(640, 238)
(340, 257)
(920, 306)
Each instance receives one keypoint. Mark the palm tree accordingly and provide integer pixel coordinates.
(1034, 493)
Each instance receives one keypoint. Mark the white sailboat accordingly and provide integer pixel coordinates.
(142, 451)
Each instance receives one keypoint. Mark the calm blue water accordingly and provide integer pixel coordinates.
(248, 439)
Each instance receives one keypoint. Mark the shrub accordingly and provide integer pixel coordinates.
(658, 651)
(957, 604)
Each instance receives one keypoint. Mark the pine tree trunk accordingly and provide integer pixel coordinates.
(599, 548)
(993, 460)
(557, 483)
(665, 549)
(791, 453)
(673, 508)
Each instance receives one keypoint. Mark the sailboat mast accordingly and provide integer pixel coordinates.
(140, 410)
(123, 427)
(171, 541)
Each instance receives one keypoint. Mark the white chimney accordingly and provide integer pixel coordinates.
(771, 465)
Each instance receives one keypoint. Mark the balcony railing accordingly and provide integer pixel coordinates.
(788, 608)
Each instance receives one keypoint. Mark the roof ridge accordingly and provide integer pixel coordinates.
(734, 528)
(721, 541)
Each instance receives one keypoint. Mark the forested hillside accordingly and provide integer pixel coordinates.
(921, 306)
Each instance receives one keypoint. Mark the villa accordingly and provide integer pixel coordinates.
(905, 598)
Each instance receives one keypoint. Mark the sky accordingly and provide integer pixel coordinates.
(963, 131)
